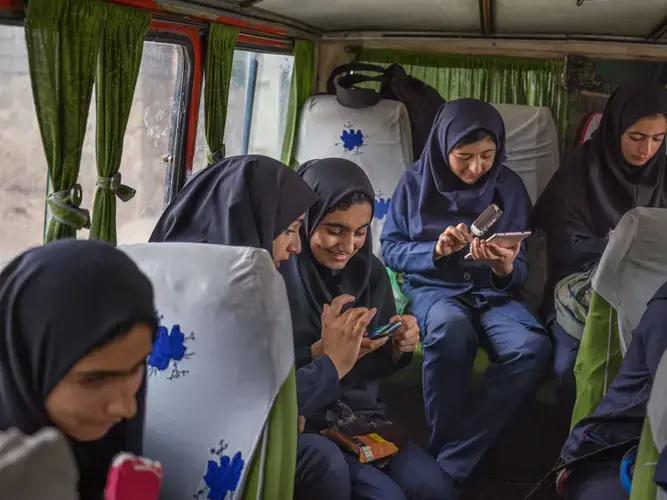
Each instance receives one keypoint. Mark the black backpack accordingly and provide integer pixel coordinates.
(421, 100)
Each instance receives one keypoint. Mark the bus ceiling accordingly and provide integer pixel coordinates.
(634, 20)
(637, 22)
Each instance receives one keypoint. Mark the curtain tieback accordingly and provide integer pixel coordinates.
(113, 184)
(64, 207)
(217, 155)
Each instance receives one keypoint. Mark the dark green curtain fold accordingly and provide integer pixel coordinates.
(498, 80)
(63, 38)
(117, 72)
(219, 59)
(301, 87)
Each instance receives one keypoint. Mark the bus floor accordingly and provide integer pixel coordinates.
(527, 450)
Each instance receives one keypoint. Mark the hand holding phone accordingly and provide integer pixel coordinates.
(505, 240)
(384, 330)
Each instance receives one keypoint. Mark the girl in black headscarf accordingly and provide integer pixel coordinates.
(78, 323)
(258, 202)
(621, 167)
(337, 260)
(253, 201)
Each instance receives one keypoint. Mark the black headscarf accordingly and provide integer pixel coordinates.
(311, 285)
(439, 185)
(596, 181)
(238, 201)
(58, 303)
(596, 186)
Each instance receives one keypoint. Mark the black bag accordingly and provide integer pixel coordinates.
(421, 100)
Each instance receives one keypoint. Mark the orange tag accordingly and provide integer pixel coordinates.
(367, 448)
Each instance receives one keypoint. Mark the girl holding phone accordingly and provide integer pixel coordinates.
(337, 259)
(460, 303)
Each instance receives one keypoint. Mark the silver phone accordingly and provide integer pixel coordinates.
(484, 222)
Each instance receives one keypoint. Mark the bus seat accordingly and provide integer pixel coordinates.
(599, 357)
(377, 138)
(632, 268)
(643, 486)
(653, 441)
(587, 124)
(221, 398)
(532, 152)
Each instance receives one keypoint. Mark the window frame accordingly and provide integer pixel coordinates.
(176, 159)
(268, 47)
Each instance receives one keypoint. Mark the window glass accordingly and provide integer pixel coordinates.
(23, 172)
(147, 146)
(258, 98)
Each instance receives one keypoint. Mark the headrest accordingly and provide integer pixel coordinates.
(633, 266)
(657, 405)
(38, 466)
(223, 351)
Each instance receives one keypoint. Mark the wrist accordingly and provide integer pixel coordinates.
(339, 368)
(502, 270)
(316, 350)
(396, 352)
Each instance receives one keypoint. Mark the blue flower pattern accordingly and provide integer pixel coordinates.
(222, 474)
(381, 207)
(352, 139)
(169, 350)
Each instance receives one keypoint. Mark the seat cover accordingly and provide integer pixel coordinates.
(657, 416)
(633, 266)
(532, 152)
(532, 145)
(587, 124)
(657, 406)
(376, 138)
(37, 467)
(223, 351)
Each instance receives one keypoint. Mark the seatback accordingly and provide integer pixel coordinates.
(532, 152)
(633, 266)
(223, 351)
(376, 138)
(656, 413)
(587, 124)
(38, 466)
(532, 145)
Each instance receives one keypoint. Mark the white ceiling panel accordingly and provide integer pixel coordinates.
(594, 17)
(334, 15)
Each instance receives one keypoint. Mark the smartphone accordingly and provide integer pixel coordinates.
(485, 220)
(506, 240)
(384, 331)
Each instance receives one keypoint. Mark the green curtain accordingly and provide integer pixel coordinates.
(498, 80)
(219, 58)
(63, 38)
(117, 72)
(301, 87)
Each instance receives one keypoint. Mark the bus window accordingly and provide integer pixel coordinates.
(23, 172)
(153, 127)
(257, 106)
